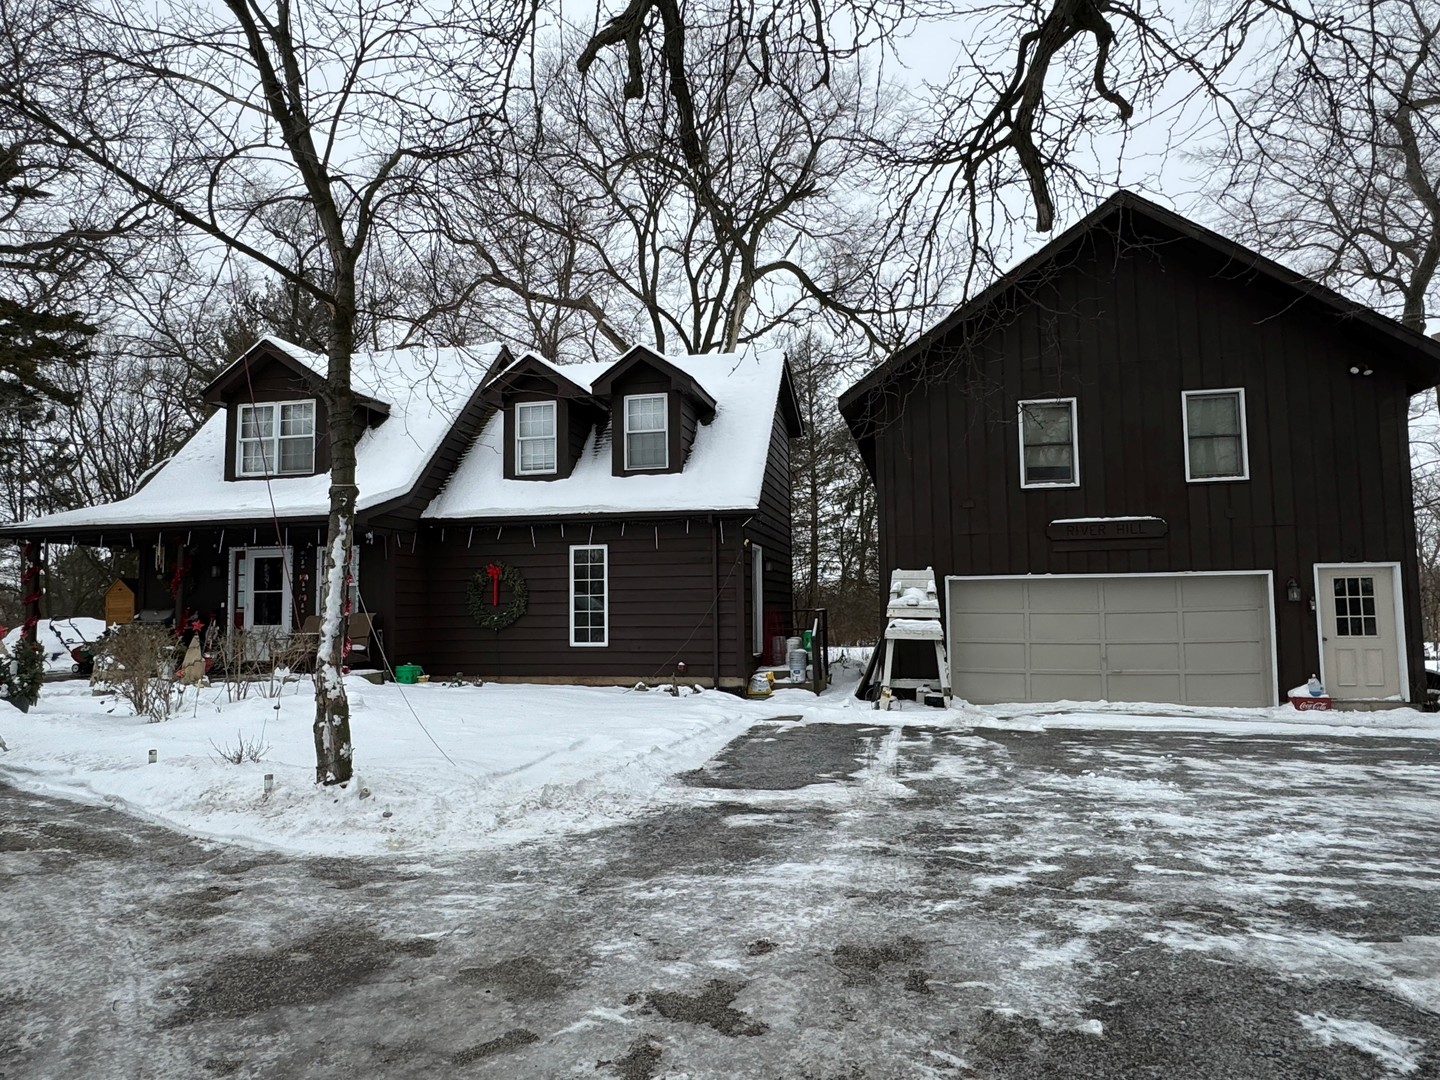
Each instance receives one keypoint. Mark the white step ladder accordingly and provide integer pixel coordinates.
(912, 613)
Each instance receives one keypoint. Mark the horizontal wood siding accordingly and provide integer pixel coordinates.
(1124, 327)
(661, 601)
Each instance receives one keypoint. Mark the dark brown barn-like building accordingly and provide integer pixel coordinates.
(1152, 465)
(636, 512)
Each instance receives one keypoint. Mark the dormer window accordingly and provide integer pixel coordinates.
(276, 439)
(646, 432)
(535, 438)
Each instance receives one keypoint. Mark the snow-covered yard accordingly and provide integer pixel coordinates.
(1014, 893)
(455, 767)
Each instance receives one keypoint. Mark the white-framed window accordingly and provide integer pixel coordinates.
(1215, 444)
(534, 437)
(1049, 443)
(276, 439)
(589, 595)
(647, 441)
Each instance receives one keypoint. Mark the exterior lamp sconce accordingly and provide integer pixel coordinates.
(1292, 591)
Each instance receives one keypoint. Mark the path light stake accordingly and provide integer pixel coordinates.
(154, 756)
(269, 782)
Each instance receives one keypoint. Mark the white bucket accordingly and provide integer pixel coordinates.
(799, 658)
(791, 644)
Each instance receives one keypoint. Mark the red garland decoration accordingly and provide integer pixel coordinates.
(177, 579)
(30, 576)
(494, 570)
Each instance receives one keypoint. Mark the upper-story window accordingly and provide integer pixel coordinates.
(1049, 454)
(534, 437)
(1215, 435)
(647, 443)
(276, 439)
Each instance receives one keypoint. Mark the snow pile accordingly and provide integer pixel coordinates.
(57, 637)
(1284, 720)
(468, 767)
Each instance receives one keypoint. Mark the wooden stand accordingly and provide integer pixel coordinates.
(913, 614)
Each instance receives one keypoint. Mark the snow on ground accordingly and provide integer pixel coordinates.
(1395, 1053)
(449, 768)
(58, 636)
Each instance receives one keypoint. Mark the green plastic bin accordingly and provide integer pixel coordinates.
(408, 673)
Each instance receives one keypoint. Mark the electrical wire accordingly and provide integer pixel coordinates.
(384, 660)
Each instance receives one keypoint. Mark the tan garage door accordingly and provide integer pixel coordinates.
(1196, 639)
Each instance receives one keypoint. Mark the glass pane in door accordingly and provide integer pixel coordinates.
(267, 591)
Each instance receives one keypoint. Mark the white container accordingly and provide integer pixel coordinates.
(799, 660)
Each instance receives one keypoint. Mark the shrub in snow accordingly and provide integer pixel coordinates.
(137, 662)
(244, 750)
(265, 661)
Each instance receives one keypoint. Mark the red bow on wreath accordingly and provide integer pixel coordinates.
(494, 571)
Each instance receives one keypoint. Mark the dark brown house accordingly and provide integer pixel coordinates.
(1151, 465)
(616, 518)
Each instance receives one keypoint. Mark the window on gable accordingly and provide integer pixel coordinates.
(1048, 444)
(647, 444)
(589, 595)
(1215, 435)
(535, 437)
(276, 439)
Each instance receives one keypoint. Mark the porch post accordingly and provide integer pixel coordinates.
(179, 582)
(30, 589)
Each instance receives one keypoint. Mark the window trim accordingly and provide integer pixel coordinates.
(554, 438)
(1244, 474)
(757, 600)
(664, 399)
(272, 453)
(606, 609)
(1074, 481)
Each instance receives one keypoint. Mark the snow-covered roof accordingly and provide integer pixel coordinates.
(425, 388)
(725, 470)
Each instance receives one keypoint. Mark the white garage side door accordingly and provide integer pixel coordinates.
(1193, 639)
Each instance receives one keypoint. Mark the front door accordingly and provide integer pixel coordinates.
(262, 597)
(1359, 631)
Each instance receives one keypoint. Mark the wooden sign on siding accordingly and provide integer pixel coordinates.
(1116, 528)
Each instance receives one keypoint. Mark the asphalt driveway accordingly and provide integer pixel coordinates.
(826, 902)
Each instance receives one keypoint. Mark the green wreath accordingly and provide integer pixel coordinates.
(482, 595)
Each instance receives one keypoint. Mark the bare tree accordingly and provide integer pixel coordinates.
(216, 116)
(1337, 168)
(594, 214)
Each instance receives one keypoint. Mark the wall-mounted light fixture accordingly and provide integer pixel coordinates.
(1292, 591)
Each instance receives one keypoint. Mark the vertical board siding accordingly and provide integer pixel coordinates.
(1124, 328)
